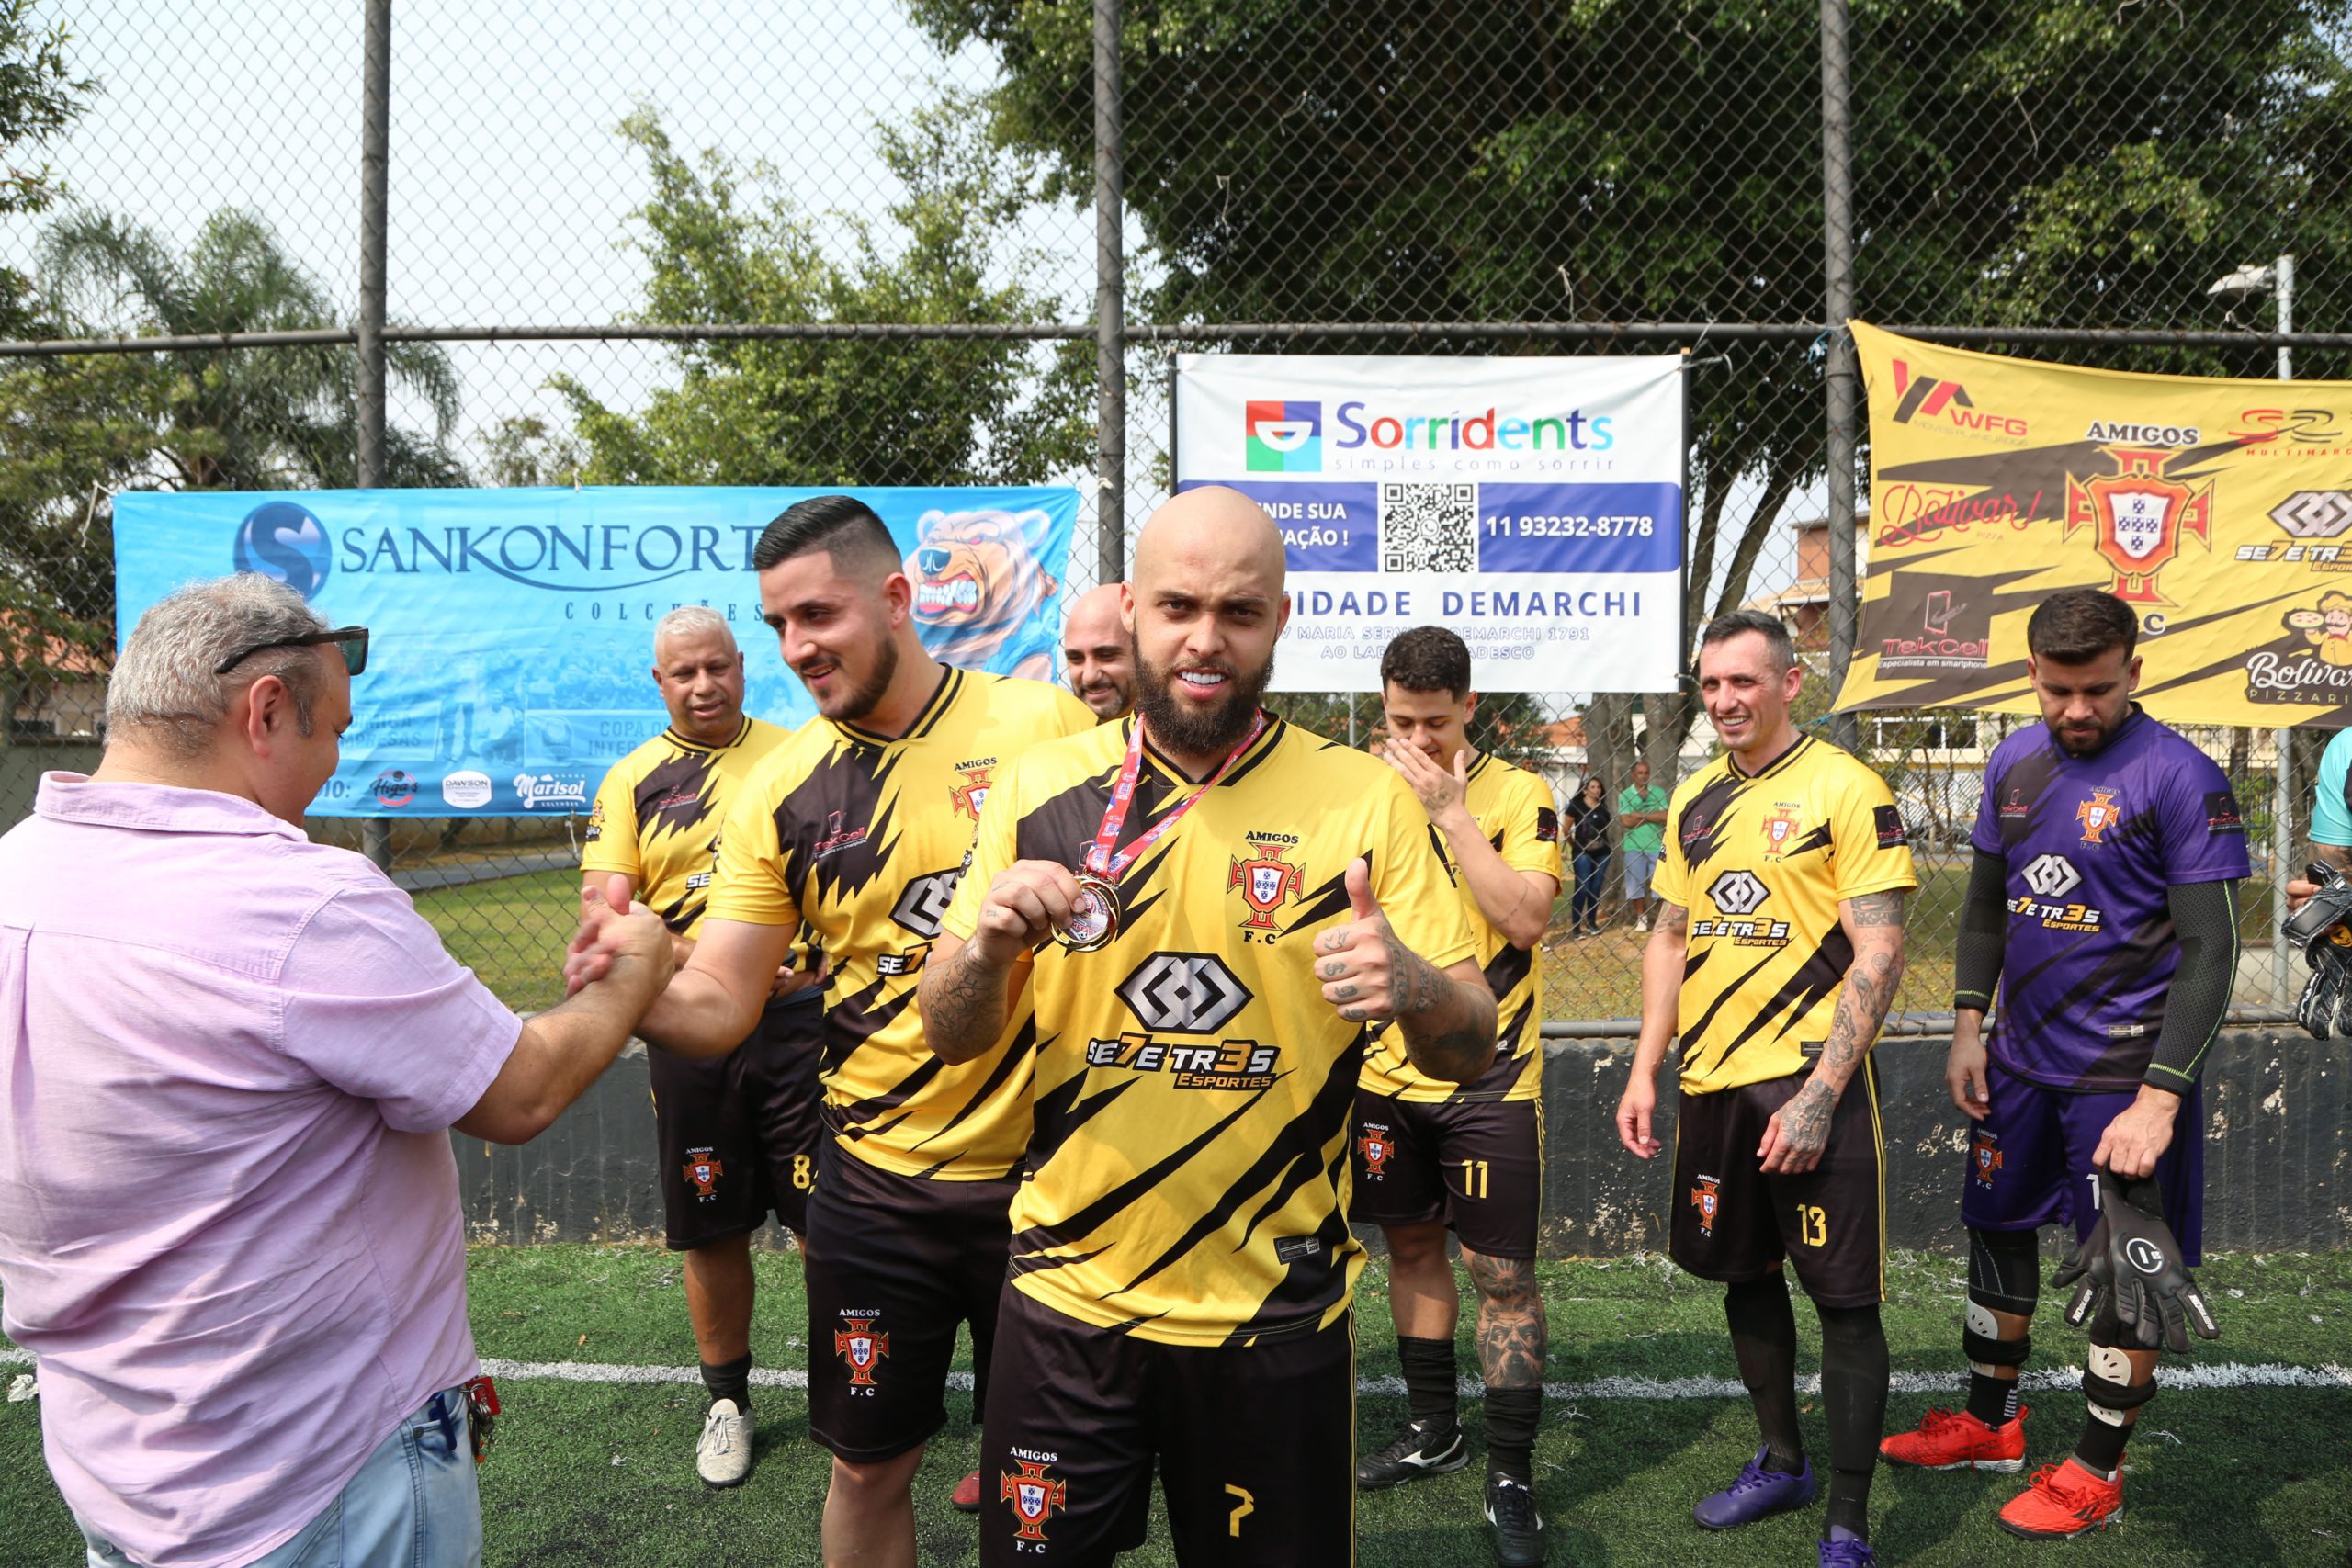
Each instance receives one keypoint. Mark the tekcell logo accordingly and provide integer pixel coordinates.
(281, 539)
(1283, 437)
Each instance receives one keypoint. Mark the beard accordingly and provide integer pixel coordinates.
(1181, 727)
(850, 706)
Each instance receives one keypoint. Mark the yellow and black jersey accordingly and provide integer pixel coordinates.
(1187, 1179)
(1761, 863)
(1513, 809)
(659, 812)
(863, 837)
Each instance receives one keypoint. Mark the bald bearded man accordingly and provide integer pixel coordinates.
(1098, 656)
(1211, 912)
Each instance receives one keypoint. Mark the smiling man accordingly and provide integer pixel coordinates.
(1097, 656)
(860, 826)
(1209, 911)
(1775, 956)
(738, 1134)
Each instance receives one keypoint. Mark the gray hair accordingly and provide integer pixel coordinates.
(163, 689)
(1775, 632)
(688, 619)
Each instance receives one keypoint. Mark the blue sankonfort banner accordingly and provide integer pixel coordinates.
(512, 630)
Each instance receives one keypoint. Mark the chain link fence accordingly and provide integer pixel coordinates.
(864, 243)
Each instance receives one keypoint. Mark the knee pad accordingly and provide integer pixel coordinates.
(2005, 1270)
(2106, 1384)
(1980, 1341)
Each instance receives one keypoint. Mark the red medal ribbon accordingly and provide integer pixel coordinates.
(1099, 858)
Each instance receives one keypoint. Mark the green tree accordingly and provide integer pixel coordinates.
(729, 245)
(39, 97)
(2063, 162)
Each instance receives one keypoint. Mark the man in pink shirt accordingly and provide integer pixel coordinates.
(229, 1062)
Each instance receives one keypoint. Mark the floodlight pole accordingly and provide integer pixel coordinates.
(1110, 302)
(1837, 256)
(375, 165)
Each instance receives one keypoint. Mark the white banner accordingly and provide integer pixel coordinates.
(1532, 504)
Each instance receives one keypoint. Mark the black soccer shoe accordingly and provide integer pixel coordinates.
(1513, 1527)
(1417, 1452)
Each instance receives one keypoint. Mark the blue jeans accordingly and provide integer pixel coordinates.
(414, 1503)
(1591, 870)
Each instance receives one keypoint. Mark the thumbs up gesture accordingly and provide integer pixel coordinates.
(1358, 962)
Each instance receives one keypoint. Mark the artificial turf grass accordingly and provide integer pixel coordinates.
(2258, 1475)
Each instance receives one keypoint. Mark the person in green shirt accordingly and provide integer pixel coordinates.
(1641, 808)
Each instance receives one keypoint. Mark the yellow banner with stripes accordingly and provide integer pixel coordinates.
(2220, 510)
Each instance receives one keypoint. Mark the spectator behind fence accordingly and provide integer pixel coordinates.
(229, 1223)
(1588, 824)
(1641, 811)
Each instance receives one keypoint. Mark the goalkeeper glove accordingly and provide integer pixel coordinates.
(2131, 1261)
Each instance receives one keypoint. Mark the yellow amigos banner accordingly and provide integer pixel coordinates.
(2220, 510)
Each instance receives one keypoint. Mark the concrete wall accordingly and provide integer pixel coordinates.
(2277, 1158)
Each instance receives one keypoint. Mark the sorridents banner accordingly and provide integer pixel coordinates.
(512, 630)
(1533, 503)
(2220, 510)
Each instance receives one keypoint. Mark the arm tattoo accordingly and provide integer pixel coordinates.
(1673, 918)
(2336, 855)
(1870, 980)
(1447, 1045)
(962, 1002)
(1512, 1329)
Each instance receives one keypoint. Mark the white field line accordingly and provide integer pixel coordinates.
(2174, 1379)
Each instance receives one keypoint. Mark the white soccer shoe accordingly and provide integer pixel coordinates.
(723, 1457)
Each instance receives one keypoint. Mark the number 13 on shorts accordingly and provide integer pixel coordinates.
(1812, 1225)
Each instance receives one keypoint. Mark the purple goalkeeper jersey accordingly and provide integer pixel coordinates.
(2092, 844)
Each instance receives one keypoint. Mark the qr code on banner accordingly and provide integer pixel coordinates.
(1428, 528)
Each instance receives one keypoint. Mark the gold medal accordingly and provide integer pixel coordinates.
(1093, 916)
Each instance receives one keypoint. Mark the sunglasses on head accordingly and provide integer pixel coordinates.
(350, 641)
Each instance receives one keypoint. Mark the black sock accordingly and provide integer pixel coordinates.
(729, 1380)
(1853, 1391)
(1512, 1417)
(1764, 1338)
(1992, 1401)
(1430, 1381)
(2101, 1447)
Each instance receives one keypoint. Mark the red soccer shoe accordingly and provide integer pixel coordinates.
(1953, 1440)
(2062, 1500)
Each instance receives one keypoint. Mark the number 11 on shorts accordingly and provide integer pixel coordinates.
(1474, 1178)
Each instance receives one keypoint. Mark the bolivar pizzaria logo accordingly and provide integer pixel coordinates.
(281, 539)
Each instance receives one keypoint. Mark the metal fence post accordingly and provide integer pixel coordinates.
(1110, 302)
(1837, 268)
(375, 165)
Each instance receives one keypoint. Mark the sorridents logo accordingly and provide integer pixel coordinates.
(1925, 397)
(466, 789)
(535, 789)
(2138, 516)
(1281, 436)
(281, 539)
(393, 786)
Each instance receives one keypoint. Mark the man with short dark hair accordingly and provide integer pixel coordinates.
(1777, 946)
(229, 1060)
(1641, 811)
(1097, 656)
(738, 1135)
(2102, 900)
(1431, 1155)
(860, 826)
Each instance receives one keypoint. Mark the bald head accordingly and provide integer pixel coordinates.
(1097, 658)
(1212, 529)
(1206, 605)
